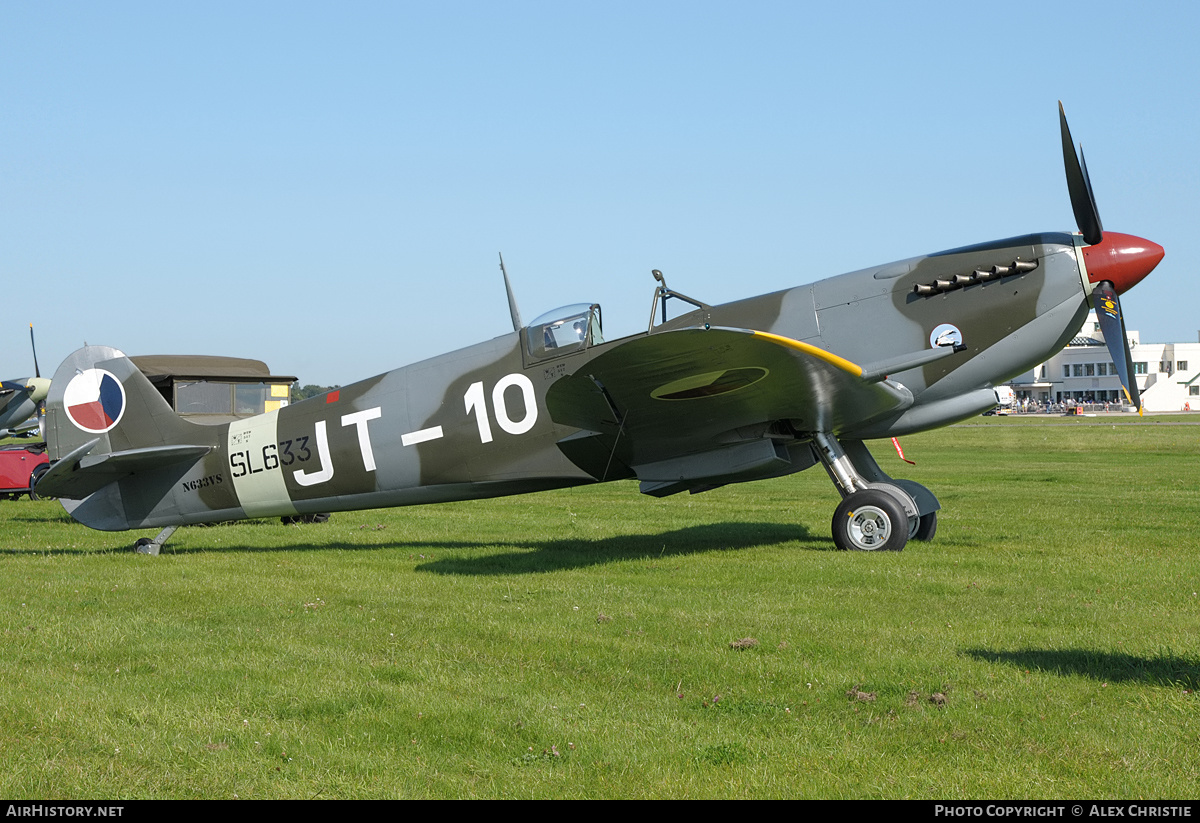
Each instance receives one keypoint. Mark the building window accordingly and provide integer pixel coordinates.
(1077, 368)
(1066, 371)
(1139, 368)
(1194, 391)
(1181, 365)
(1164, 367)
(1089, 370)
(1101, 369)
(203, 397)
(1043, 371)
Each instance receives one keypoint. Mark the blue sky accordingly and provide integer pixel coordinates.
(326, 186)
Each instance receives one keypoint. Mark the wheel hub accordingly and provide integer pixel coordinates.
(869, 528)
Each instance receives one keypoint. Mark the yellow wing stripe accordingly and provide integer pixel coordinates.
(830, 358)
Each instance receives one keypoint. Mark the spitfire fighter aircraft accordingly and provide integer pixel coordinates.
(21, 399)
(758, 388)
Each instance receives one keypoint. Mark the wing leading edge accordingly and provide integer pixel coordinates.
(695, 408)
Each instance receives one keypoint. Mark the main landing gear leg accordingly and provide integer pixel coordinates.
(148, 546)
(877, 512)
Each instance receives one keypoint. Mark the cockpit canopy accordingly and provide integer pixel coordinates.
(563, 331)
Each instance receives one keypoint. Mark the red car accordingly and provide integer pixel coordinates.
(20, 467)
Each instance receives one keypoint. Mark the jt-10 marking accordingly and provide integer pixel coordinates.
(757, 388)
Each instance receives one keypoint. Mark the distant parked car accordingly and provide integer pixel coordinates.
(20, 468)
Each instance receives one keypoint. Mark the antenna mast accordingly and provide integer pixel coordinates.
(512, 300)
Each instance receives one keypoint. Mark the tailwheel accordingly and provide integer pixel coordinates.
(147, 545)
(871, 521)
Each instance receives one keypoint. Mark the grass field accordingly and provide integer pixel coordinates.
(584, 643)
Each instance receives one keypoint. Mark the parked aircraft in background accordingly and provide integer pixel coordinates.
(758, 388)
(21, 399)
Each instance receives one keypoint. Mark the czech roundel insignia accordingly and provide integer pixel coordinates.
(94, 400)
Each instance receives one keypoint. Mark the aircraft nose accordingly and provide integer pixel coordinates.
(1121, 259)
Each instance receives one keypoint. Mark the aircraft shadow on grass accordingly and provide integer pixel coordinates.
(1109, 667)
(579, 552)
(528, 557)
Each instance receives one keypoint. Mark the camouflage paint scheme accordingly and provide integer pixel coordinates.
(368, 422)
(761, 387)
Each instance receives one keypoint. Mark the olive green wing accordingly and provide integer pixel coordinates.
(657, 405)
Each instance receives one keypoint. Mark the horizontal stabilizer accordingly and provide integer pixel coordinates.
(79, 474)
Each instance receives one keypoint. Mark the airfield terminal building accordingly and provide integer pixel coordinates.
(1167, 374)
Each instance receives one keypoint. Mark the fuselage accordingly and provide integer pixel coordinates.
(474, 423)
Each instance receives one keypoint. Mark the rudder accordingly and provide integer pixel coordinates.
(106, 422)
(99, 394)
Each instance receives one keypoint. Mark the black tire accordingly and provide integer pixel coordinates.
(870, 521)
(292, 519)
(927, 527)
(34, 477)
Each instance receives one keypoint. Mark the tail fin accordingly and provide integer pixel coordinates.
(104, 420)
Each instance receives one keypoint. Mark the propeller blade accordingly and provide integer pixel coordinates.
(1112, 324)
(1083, 200)
(36, 371)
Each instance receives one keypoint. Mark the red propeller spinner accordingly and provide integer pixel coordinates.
(1121, 259)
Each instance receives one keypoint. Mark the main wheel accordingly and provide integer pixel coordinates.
(34, 477)
(290, 519)
(926, 527)
(870, 521)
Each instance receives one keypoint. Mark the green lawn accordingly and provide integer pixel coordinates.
(583, 643)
